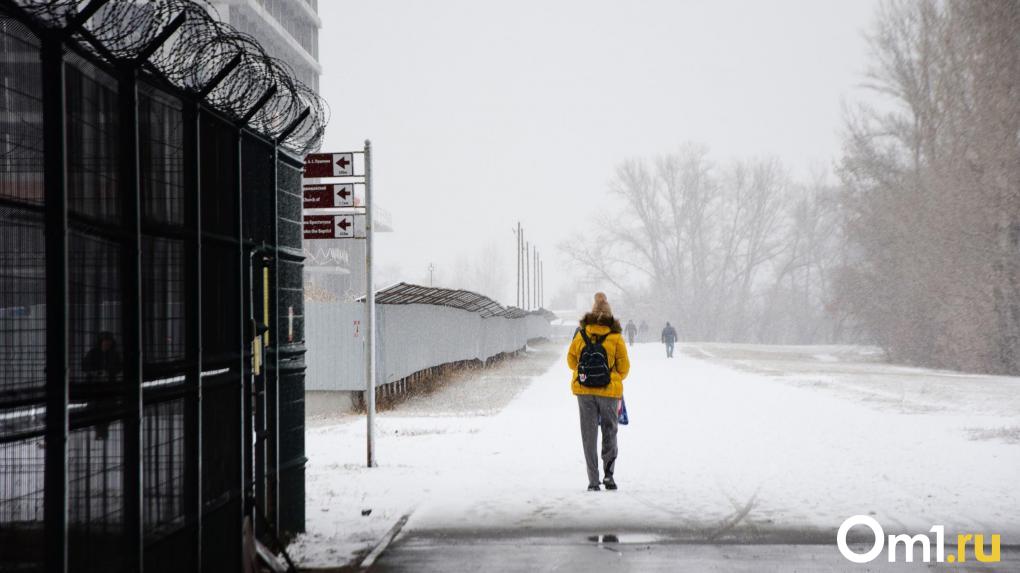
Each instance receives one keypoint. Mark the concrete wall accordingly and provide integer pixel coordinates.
(410, 338)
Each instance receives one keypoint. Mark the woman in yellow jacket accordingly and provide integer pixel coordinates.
(598, 406)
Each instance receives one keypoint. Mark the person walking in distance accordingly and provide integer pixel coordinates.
(598, 359)
(631, 331)
(669, 339)
(643, 332)
(103, 362)
(102, 365)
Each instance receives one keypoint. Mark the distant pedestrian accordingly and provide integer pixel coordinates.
(643, 332)
(103, 363)
(598, 358)
(631, 331)
(669, 339)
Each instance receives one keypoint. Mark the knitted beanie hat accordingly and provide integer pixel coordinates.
(601, 307)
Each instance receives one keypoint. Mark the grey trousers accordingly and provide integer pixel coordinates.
(592, 409)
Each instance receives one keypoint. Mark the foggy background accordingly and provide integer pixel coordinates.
(772, 172)
(483, 113)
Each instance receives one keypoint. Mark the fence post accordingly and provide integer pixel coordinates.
(57, 382)
(193, 319)
(130, 188)
(273, 382)
(247, 335)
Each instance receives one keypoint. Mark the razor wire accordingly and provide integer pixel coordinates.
(198, 54)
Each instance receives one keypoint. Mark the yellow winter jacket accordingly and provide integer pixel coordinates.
(616, 353)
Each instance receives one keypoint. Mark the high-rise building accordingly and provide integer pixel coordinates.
(287, 29)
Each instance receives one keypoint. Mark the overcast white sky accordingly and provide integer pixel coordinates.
(483, 113)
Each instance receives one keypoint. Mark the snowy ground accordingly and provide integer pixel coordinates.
(726, 442)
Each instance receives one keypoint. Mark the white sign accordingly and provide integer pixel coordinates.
(344, 226)
(343, 164)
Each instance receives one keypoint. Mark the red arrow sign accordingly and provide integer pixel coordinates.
(319, 227)
(319, 165)
(318, 197)
(328, 195)
(329, 164)
(329, 226)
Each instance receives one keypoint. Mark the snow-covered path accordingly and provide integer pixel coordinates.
(712, 452)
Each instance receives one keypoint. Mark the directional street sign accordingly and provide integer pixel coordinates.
(344, 225)
(328, 196)
(355, 221)
(329, 226)
(329, 165)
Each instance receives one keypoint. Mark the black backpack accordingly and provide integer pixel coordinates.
(593, 364)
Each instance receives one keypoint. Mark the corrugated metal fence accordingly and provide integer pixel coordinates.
(411, 338)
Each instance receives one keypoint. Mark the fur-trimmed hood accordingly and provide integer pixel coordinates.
(608, 321)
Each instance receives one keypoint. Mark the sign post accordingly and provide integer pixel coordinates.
(369, 309)
(330, 213)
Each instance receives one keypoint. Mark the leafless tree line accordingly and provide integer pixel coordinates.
(727, 252)
(915, 248)
(932, 186)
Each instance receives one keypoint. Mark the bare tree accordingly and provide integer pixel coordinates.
(932, 186)
(703, 245)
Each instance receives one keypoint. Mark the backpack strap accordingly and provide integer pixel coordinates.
(589, 341)
(584, 336)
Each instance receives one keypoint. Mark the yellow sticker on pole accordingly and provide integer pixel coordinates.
(256, 355)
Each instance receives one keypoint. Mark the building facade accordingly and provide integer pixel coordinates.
(287, 29)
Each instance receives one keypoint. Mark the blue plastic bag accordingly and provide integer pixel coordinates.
(621, 414)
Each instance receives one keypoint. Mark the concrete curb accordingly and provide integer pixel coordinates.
(369, 559)
(365, 562)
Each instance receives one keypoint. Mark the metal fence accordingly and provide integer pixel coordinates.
(418, 328)
(151, 333)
